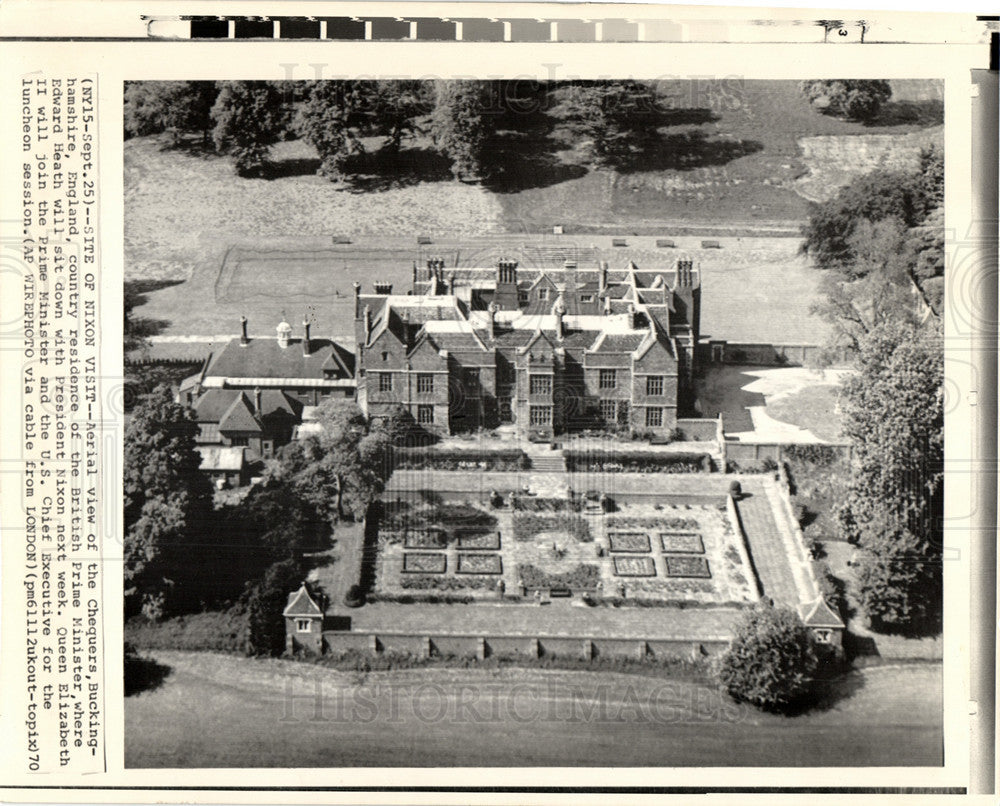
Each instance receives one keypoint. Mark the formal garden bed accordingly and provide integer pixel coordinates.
(583, 576)
(629, 542)
(643, 554)
(687, 566)
(424, 563)
(432, 538)
(681, 543)
(526, 525)
(478, 542)
(479, 564)
(637, 462)
(634, 567)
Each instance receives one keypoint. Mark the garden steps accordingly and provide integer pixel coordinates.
(548, 462)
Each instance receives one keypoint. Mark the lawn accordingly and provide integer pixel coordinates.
(214, 711)
(796, 396)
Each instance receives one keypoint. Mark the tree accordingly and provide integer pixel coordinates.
(343, 468)
(874, 197)
(265, 603)
(249, 116)
(898, 576)
(618, 118)
(893, 413)
(855, 100)
(331, 119)
(771, 662)
(462, 123)
(167, 502)
(336, 116)
(171, 106)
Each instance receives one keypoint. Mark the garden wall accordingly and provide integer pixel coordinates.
(768, 354)
(698, 430)
(752, 454)
(504, 645)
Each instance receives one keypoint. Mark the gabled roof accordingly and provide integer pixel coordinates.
(301, 603)
(214, 405)
(819, 614)
(264, 358)
(619, 343)
(239, 416)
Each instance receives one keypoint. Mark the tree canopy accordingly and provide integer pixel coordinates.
(771, 662)
(342, 469)
(249, 117)
(167, 501)
(462, 123)
(848, 98)
(894, 415)
(618, 118)
(172, 106)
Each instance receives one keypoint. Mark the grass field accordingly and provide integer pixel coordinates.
(225, 711)
(729, 160)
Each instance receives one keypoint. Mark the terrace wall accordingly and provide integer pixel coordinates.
(469, 645)
(747, 454)
(768, 354)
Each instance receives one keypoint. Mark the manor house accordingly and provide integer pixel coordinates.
(541, 350)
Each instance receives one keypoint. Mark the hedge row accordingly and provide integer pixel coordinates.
(220, 631)
(638, 462)
(438, 459)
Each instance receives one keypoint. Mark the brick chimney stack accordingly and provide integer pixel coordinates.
(257, 405)
(491, 318)
(631, 316)
(559, 310)
(305, 338)
(244, 340)
(368, 321)
(357, 299)
(603, 281)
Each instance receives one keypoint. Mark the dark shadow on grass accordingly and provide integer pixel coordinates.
(142, 674)
(297, 166)
(829, 692)
(686, 151)
(388, 170)
(910, 113)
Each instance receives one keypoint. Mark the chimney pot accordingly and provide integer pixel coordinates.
(244, 341)
(257, 406)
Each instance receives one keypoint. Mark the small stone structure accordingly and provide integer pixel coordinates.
(303, 622)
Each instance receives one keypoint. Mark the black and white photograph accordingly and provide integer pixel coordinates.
(534, 423)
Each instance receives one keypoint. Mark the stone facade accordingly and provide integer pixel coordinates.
(547, 351)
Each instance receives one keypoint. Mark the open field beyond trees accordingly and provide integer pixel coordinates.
(223, 711)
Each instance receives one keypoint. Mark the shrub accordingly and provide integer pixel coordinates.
(583, 576)
(770, 663)
(535, 504)
(529, 524)
(448, 583)
(355, 596)
(429, 458)
(735, 490)
(638, 462)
